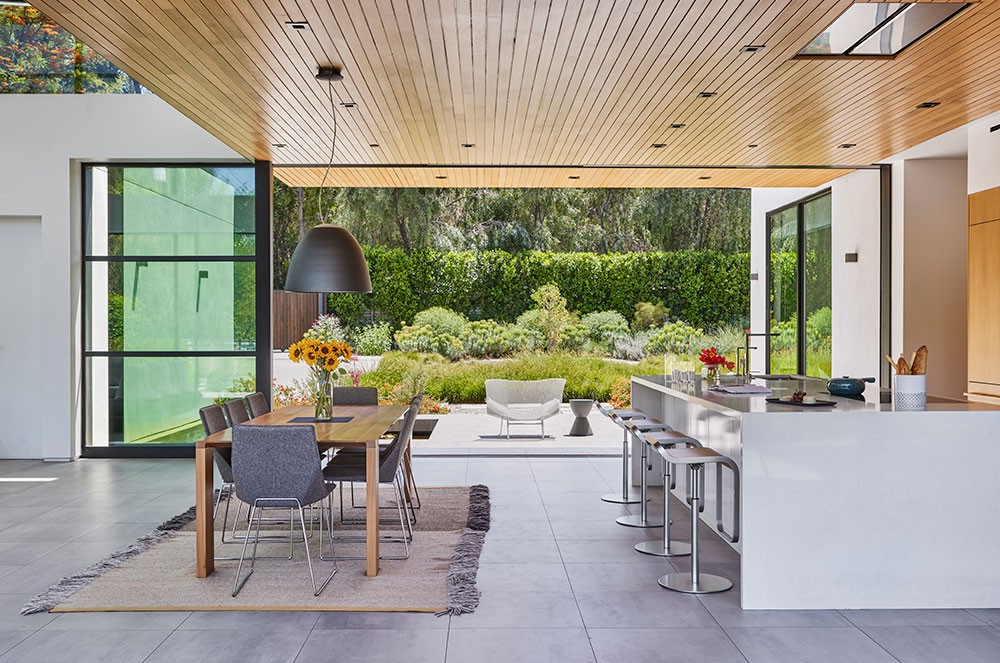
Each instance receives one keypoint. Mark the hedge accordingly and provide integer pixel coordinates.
(704, 288)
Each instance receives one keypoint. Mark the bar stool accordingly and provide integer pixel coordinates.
(636, 427)
(696, 582)
(620, 417)
(661, 440)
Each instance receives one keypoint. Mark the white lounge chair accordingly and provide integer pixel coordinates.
(524, 402)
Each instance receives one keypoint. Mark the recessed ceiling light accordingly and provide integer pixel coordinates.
(440, 177)
(468, 144)
(372, 144)
(347, 104)
(657, 146)
(574, 177)
(707, 95)
(844, 146)
(705, 177)
(677, 125)
(279, 144)
(753, 145)
(297, 26)
(929, 104)
(753, 48)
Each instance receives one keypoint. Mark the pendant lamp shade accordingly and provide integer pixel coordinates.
(328, 259)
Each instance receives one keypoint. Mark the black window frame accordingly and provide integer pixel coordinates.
(261, 257)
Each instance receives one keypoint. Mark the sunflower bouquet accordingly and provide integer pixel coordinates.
(324, 359)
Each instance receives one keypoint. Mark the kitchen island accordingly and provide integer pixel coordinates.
(854, 506)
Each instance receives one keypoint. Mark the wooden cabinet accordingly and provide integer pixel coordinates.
(984, 295)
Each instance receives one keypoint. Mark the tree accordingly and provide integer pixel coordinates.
(37, 56)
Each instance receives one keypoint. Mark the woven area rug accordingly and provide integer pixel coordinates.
(158, 571)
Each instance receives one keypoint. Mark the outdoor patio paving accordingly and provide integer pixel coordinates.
(559, 578)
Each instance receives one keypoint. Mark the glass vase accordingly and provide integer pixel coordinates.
(713, 376)
(324, 396)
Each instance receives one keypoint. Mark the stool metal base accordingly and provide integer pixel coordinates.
(637, 521)
(618, 498)
(655, 548)
(684, 582)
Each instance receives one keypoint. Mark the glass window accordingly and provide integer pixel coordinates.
(169, 298)
(799, 282)
(880, 28)
(784, 291)
(37, 56)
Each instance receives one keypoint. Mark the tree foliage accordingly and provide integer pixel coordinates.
(37, 56)
(518, 220)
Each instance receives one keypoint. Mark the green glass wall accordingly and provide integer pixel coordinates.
(170, 305)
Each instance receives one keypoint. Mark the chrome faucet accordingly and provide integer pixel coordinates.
(747, 348)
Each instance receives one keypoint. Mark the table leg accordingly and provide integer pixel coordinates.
(203, 500)
(371, 508)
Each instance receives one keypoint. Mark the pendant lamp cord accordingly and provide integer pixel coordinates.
(329, 163)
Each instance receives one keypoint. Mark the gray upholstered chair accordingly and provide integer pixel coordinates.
(236, 410)
(257, 404)
(369, 396)
(277, 467)
(389, 472)
(355, 396)
(213, 420)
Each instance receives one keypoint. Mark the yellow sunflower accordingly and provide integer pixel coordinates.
(295, 352)
(331, 363)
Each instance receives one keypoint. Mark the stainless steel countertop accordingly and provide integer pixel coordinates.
(737, 405)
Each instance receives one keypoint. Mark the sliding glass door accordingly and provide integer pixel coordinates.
(799, 286)
(170, 283)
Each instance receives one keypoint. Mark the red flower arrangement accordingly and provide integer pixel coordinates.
(711, 357)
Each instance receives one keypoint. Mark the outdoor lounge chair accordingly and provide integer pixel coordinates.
(524, 402)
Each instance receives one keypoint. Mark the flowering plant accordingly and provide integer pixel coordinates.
(711, 358)
(323, 359)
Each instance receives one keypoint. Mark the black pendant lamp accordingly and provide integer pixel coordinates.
(328, 259)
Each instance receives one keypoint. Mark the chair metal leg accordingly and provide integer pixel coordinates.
(643, 519)
(237, 583)
(666, 548)
(626, 496)
(312, 576)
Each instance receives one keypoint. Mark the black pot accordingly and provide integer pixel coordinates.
(847, 386)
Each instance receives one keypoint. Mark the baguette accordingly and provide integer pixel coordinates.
(902, 368)
(892, 362)
(919, 365)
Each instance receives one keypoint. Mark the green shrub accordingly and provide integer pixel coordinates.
(326, 328)
(424, 339)
(631, 347)
(552, 316)
(649, 315)
(441, 320)
(371, 340)
(819, 328)
(706, 288)
(605, 327)
(464, 382)
(677, 338)
(726, 339)
(573, 338)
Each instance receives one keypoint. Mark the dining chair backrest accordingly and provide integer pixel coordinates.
(277, 464)
(257, 404)
(393, 454)
(236, 410)
(355, 396)
(213, 419)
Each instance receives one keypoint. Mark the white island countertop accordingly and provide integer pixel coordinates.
(744, 404)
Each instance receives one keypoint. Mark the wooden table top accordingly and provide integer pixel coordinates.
(368, 424)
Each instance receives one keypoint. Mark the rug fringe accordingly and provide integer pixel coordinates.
(69, 585)
(463, 594)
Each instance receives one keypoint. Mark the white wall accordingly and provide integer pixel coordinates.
(856, 220)
(932, 262)
(855, 293)
(40, 173)
(21, 356)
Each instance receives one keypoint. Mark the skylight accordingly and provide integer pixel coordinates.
(880, 28)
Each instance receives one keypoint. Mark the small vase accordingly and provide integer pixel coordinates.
(713, 376)
(324, 396)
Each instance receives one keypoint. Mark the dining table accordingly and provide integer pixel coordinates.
(361, 426)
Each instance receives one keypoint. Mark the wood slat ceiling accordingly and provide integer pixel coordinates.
(537, 86)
